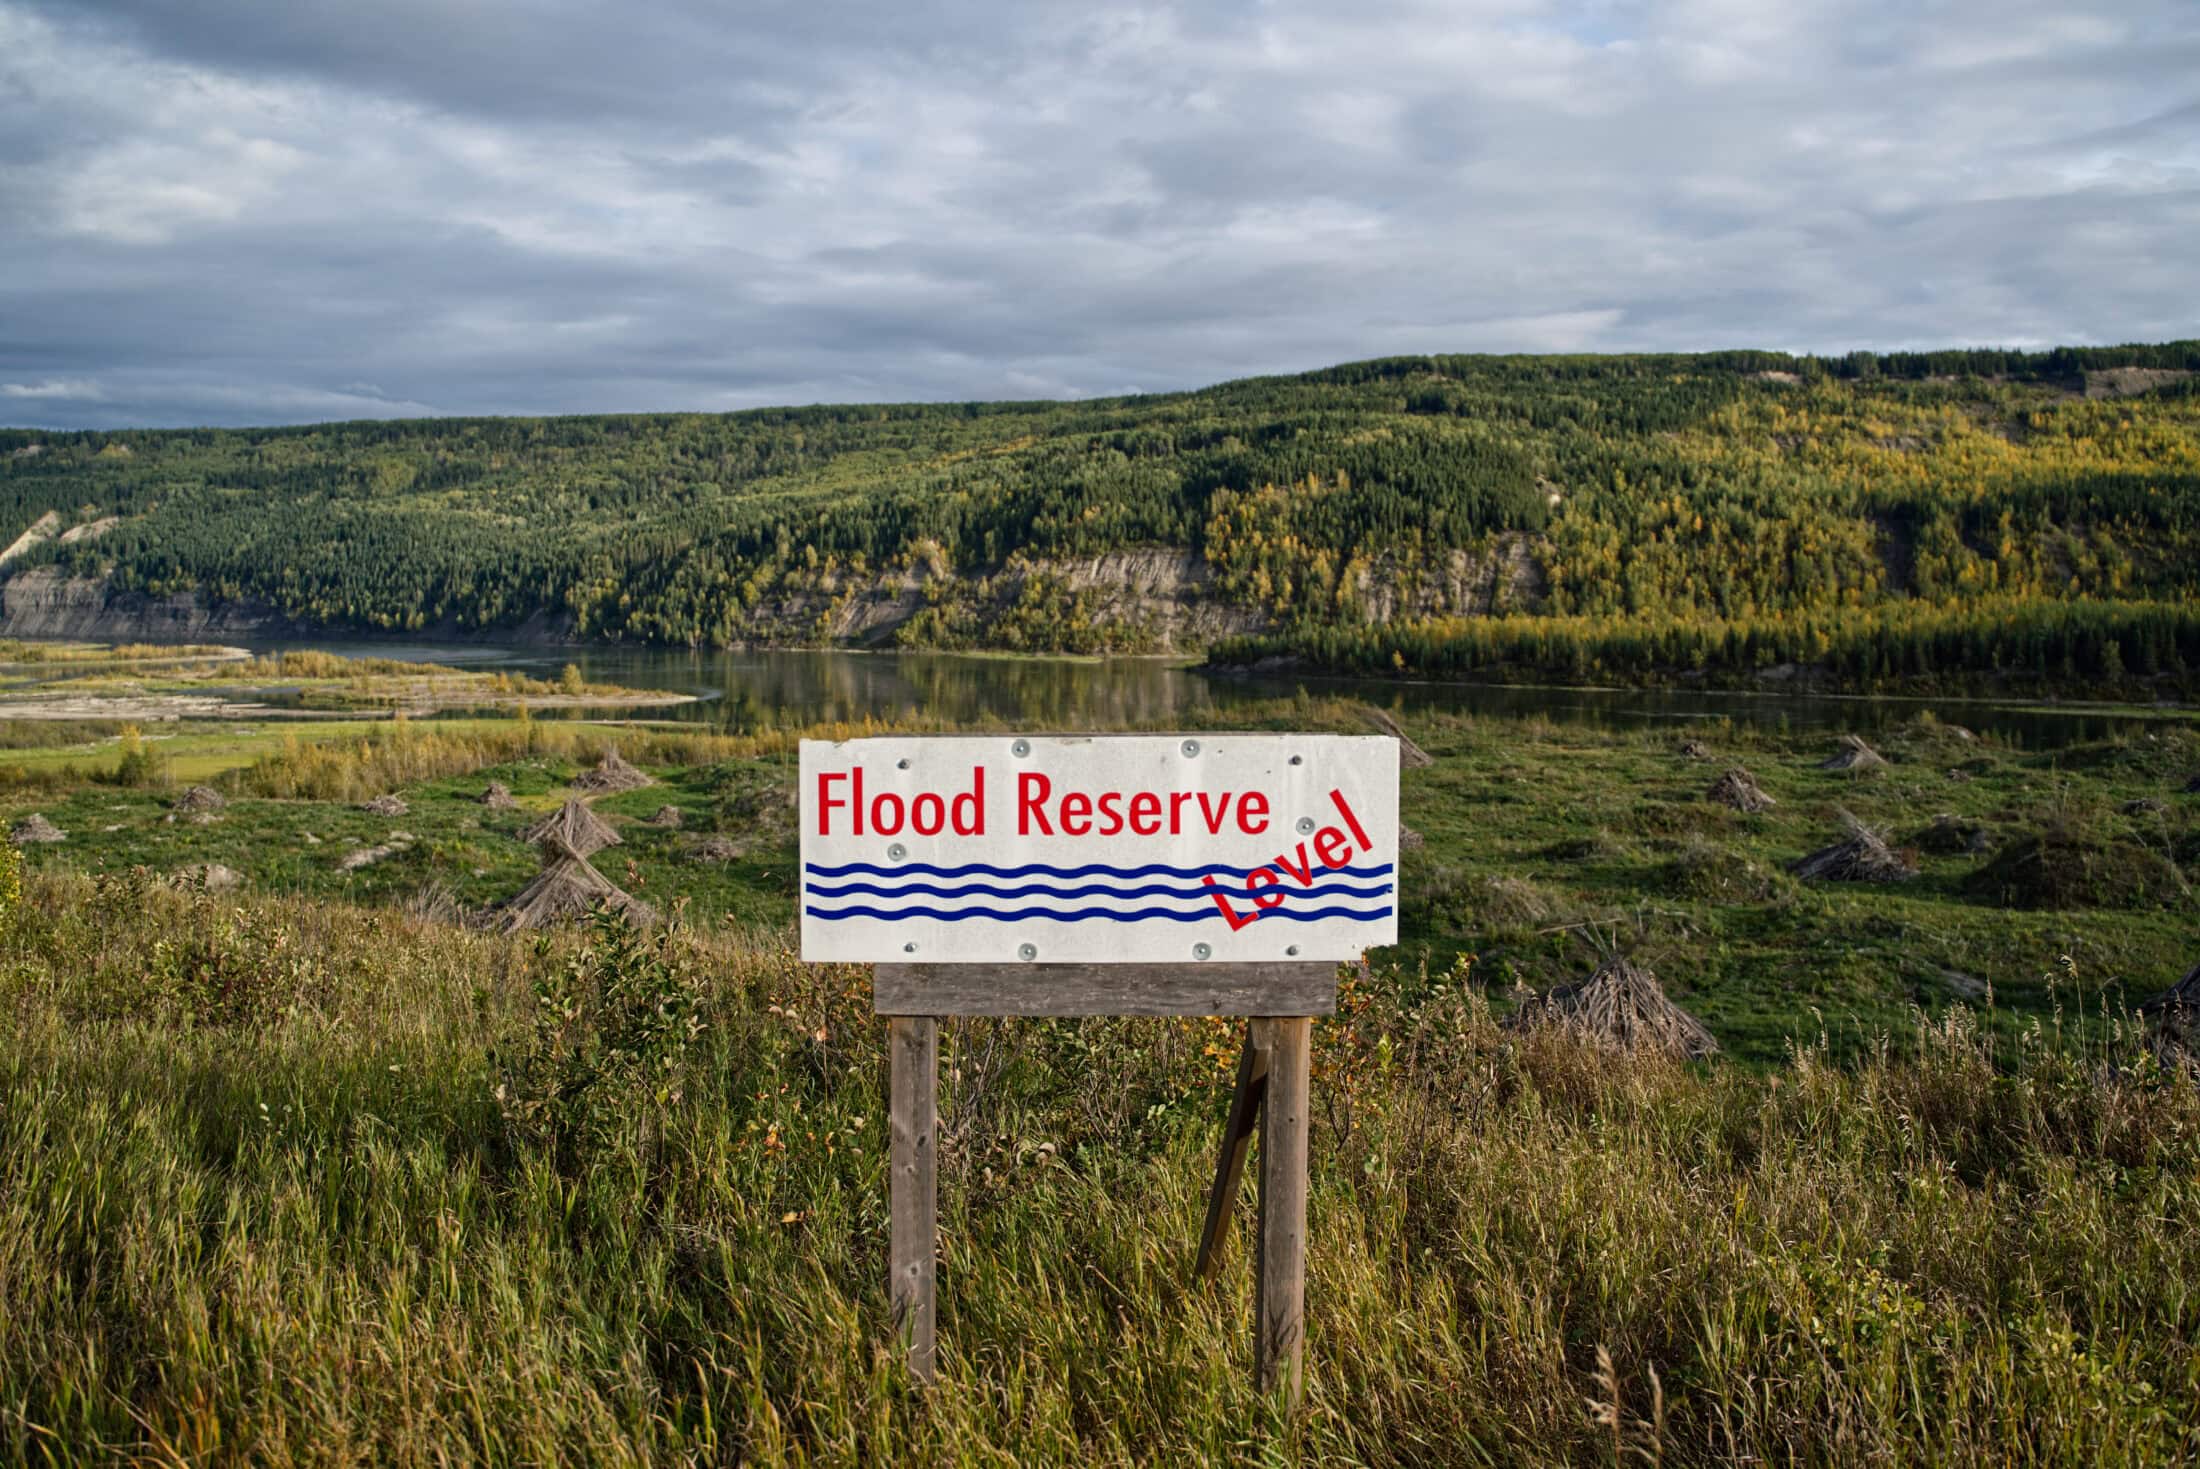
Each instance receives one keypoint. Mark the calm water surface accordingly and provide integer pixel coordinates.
(749, 690)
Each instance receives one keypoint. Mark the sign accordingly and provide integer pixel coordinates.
(1105, 875)
(1099, 849)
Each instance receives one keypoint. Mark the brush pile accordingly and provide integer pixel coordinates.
(1736, 788)
(1410, 755)
(568, 887)
(573, 828)
(36, 828)
(564, 891)
(668, 817)
(1861, 856)
(609, 774)
(1621, 1006)
(391, 805)
(1694, 750)
(199, 800)
(499, 797)
(1854, 756)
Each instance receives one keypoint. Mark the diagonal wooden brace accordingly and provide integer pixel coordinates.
(1237, 1139)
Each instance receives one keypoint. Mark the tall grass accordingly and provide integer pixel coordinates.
(260, 1202)
(403, 752)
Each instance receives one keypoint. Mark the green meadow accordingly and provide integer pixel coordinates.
(2056, 880)
(314, 1169)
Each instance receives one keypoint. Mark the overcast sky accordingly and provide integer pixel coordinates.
(261, 211)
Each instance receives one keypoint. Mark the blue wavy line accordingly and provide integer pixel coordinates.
(1090, 869)
(1080, 915)
(1042, 890)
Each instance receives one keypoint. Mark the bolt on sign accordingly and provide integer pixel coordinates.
(1211, 874)
(1099, 850)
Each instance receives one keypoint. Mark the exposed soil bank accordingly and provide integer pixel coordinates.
(43, 603)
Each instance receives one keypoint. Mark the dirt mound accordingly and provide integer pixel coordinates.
(1410, 755)
(390, 805)
(36, 828)
(562, 892)
(574, 828)
(1861, 856)
(360, 857)
(499, 797)
(1706, 869)
(1736, 788)
(1853, 755)
(1929, 726)
(2058, 868)
(713, 849)
(200, 798)
(1946, 835)
(1622, 1005)
(1512, 902)
(668, 817)
(611, 773)
(206, 877)
(1600, 845)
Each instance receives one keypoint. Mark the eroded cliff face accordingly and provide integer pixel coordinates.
(1166, 593)
(1503, 577)
(44, 602)
(1167, 596)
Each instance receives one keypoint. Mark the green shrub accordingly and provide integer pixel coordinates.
(612, 1025)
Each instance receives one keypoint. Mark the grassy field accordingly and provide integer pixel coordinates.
(298, 1173)
(1543, 845)
(288, 1181)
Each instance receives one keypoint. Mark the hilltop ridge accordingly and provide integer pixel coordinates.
(1353, 517)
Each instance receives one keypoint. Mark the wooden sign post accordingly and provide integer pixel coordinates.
(1105, 875)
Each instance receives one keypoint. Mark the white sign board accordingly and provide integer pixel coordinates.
(1006, 849)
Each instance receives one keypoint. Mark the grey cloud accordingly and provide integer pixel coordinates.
(289, 210)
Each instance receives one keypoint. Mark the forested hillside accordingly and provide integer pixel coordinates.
(1643, 517)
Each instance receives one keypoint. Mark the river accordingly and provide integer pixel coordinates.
(747, 690)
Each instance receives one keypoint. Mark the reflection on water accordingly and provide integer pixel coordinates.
(765, 689)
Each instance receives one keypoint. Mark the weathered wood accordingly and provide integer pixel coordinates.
(1280, 1296)
(913, 1044)
(1191, 988)
(1237, 1138)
